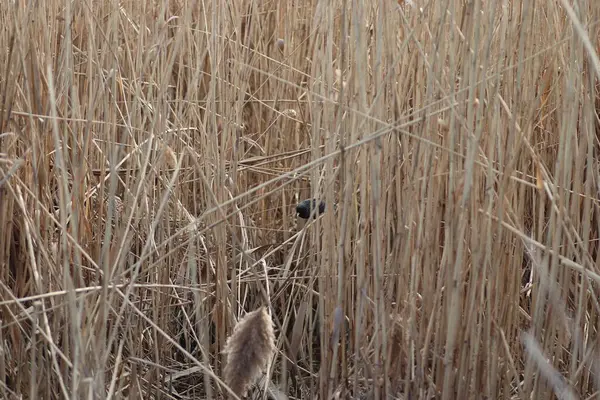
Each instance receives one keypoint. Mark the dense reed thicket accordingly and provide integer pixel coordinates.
(152, 154)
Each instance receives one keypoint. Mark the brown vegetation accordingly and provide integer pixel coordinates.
(152, 154)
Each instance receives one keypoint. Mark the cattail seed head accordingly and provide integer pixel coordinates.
(248, 350)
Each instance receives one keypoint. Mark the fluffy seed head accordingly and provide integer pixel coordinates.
(248, 350)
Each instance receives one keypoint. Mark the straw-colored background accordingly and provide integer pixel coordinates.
(152, 154)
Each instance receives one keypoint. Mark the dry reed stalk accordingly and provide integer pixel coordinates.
(249, 350)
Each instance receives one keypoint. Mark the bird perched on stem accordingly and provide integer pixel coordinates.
(307, 208)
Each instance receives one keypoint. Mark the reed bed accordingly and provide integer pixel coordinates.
(152, 154)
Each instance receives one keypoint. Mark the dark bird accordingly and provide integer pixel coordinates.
(304, 208)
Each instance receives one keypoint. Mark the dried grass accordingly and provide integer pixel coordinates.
(152, 154)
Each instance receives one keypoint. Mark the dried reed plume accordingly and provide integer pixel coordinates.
(248, 350)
